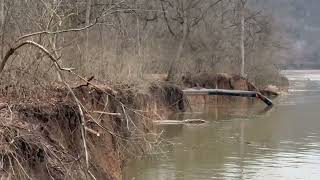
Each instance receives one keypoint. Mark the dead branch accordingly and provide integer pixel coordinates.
(201, 17)
(60, 76)
(166, 20)
(107, 113)
(92, 131)
(12, 50)
(126, 116)
(58, 32)
(106, 12)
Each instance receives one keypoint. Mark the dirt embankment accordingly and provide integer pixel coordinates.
(217, 81)
(45, 140)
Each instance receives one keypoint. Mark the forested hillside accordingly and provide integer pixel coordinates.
(300, 18)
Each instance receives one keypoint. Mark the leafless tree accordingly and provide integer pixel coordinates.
(136, 38)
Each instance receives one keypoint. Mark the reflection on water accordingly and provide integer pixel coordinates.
(244, 143)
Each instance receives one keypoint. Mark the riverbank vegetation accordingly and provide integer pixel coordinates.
(79, 77)
(125, 41)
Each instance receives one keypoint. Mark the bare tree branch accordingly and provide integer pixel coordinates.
(58, 32)
(166, 19)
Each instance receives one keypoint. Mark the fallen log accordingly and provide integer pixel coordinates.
(176, 122)
(228, 92)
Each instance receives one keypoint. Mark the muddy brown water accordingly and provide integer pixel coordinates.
(243, 143)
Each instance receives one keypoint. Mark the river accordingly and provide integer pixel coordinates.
(244, 143)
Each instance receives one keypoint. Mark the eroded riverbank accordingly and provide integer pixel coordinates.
(92, 130)
(243, 142)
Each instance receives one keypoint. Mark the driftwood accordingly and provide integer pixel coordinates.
(186, 121)
(228, 92)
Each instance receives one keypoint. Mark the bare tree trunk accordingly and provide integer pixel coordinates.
(54, 37)
(140, 73)
(2, 14)
(138, 36)
(242, 4)
(172, 67)
(88, 11)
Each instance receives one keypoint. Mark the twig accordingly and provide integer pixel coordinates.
(104, 108)
(125, 114)
(5, 105)
(91, 174)
(92, 131)
(23, 170)
(107, 113)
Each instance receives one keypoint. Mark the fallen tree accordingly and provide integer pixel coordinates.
(228, 92)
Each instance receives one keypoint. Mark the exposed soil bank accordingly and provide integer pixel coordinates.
(44, 140)
(218, 81)
(227, 81)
